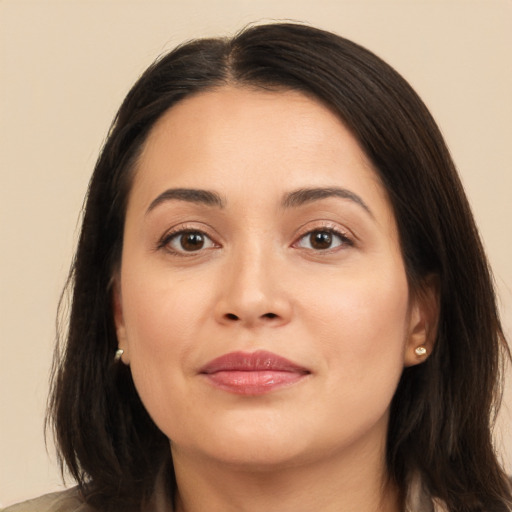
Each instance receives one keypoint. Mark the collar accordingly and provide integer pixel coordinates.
(419, 499)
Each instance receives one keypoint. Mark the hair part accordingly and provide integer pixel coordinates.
(105, 436)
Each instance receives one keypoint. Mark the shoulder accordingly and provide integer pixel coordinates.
(64, 501)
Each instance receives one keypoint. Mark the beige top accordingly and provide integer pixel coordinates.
(64, 501)
(418, 500)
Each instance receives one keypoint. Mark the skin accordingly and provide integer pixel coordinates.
(344, 312)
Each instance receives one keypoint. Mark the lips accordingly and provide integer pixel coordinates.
(253, 373)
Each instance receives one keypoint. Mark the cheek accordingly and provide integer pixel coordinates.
(362, 325)
(162, 322)
(360, 329)
(160, 315)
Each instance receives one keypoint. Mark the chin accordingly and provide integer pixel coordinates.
(260, 456)
(256, 448)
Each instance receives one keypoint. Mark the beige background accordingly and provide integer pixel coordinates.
(65, 67)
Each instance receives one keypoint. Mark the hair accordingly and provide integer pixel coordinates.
(443, 410)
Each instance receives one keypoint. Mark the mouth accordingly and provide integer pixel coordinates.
(252, 373)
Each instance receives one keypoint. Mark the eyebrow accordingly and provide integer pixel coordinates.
(308, 195)
(291, 200)
(191, 195)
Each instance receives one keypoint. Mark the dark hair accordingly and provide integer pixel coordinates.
(442, 411)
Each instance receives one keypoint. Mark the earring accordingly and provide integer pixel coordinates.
(420, 351)
(119, 354)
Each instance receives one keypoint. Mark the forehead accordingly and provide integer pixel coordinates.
(257, 118)
(232, 137)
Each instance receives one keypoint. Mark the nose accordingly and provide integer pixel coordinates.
(253, 292)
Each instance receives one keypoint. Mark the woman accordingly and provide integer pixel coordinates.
(279, 299)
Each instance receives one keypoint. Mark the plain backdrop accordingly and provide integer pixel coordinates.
(66, 65)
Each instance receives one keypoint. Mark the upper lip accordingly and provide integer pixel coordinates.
(260, 360)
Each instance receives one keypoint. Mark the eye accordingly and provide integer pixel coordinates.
(322, 240)
(187, 241)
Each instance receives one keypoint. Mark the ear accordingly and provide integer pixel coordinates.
(117, 307)
(423, 321)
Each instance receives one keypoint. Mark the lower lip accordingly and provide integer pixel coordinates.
(257, 382)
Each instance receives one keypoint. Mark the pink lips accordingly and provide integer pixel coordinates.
(253, 373)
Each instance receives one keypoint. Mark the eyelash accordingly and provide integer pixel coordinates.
(175, 234)
(344, 239)
(165, 241)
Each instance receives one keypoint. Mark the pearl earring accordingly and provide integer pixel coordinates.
(420, 351)
(119, 353)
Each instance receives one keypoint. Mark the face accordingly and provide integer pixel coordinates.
(262, 301)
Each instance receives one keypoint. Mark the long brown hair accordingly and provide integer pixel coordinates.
(442, 412)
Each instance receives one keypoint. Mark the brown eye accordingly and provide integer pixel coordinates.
(192, 241)
(189, 241)
(322, 240)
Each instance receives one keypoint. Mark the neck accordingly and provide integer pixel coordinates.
(341, 482)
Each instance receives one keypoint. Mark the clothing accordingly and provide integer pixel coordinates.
(64, 501)
(418, 500)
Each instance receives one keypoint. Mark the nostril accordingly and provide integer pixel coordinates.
(235, 318)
